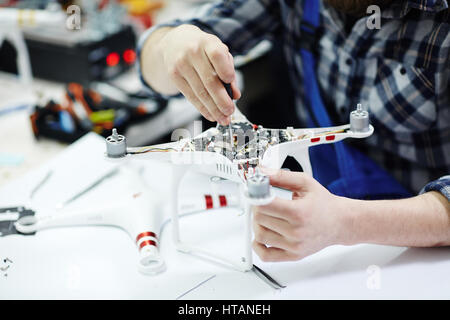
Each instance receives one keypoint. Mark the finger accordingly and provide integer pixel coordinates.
(279, 208)
(226, 121)
(294, 181)
(272, 254)
(236, 92)
(192, 77)
(275, 224)
(187, 91)
(268, 237)
(221, 60)
(213, 85)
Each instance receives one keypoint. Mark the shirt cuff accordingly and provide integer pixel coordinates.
(150, 91)
(441, 185)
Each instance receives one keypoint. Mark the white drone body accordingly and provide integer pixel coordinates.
(140, 212)
(237, 161)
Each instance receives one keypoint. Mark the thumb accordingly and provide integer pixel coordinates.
(294, 181)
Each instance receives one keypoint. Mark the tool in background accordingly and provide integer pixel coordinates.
(195, 287)
(264, 276)
(97, 108)
(96, 183)
(41, 183)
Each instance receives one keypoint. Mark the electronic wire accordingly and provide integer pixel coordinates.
(152, 149)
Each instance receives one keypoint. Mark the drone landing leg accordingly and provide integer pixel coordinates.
(178, 173)
(248, 258)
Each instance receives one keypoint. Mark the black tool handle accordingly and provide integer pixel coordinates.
(228, 88)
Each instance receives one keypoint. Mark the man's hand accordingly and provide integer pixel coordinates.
(288, 230)
(195, 63)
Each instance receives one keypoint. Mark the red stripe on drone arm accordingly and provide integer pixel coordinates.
(145, 234)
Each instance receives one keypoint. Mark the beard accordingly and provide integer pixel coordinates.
(357, 8)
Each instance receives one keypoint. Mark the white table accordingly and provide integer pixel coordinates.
(100, 262)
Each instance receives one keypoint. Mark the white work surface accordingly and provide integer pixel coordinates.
(100, 262)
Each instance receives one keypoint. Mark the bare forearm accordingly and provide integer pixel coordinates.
(421, 221)
(152, 64)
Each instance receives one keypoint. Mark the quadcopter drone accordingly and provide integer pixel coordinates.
(234, 152)
(231, 152)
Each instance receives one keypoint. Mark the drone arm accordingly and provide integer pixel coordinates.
(299, 149)
(93, 216)
(177, 174)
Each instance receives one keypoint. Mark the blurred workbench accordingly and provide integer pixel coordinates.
(21, 152)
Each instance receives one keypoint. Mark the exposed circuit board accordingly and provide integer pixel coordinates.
(247, 144)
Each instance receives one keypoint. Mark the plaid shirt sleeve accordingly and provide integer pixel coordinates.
(441, 185)
(240, 24)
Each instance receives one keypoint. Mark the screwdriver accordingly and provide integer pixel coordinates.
(230, 132)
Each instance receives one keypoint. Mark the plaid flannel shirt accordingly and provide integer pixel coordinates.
(400, 72)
